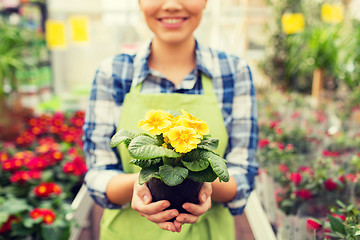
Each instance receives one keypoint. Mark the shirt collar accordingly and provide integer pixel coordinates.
(204, 61)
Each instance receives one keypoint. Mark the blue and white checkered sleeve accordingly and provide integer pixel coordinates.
(243, 138)
(100, 124)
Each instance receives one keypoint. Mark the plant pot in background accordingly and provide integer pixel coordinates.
(187, 191)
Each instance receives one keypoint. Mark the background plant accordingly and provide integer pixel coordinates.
(40, 174)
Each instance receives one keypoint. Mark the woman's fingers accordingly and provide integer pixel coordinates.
(169, 226)
(162, 216)
(153, 211)
(196, 210)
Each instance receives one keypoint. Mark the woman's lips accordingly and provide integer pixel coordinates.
(172, 22)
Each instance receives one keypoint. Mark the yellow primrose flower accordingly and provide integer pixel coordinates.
(183, 139)
(192, 122)
(156, 122)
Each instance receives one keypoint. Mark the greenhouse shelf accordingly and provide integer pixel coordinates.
(82, 206)
(258, 220)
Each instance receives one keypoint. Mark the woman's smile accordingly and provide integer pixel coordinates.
(172, 22)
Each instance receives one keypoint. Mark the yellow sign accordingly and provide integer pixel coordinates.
(79, 29)
(55, 34)
(292, 23)
(332, 13)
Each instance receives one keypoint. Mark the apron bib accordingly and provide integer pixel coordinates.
(126, 224)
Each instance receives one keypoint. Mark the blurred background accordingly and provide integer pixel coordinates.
(305, 58)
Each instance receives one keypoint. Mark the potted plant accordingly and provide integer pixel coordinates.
(16, 43)
(177, 153)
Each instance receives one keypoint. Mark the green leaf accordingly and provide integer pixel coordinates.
(207, 175)
(195, 160)
(55, 231)
(3, 217)
(144, 163)
(29, 222)
(172, 176)
(218, 164)
(336, 225)
(145, 147)
(13, 205)
(210, 144)
(123, 135)
(147, 173)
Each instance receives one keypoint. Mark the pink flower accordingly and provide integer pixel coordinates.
(278, 131)
(263, 143)
(330, 185)
(281, 146)
(295, 115)
(342, 178)
(342, 217)
(283, 168)
(327, 153)
(289, 147)
(307, 170)
(273, 124)
(351, 177)
(295, 178)
(313, 225)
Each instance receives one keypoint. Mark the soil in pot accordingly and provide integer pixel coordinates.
(187, 191)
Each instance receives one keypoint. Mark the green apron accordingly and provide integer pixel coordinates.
(126, 224)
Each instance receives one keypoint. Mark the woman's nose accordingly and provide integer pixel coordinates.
(172, 5)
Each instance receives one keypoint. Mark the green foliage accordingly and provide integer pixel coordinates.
(146, 147)
(291, 59)
(200, 164)
(15, 45)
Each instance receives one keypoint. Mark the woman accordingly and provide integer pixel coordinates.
(172, 66)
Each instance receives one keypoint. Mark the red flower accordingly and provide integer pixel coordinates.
(303, 194)
(7, 165)
(6, 226)
(263, 143)
(36, 213)
(330, 185)
(327, 153)
(20, 176)
(342, 217)
(47, 189)
(358, 154)
(280, 146)
(57, 156)
(37, 163)
(295, 178)
(342, 178)
(307, 170)
(46, 214)
(313, 225)
(76, 167)
(69, 167)
(273, 124)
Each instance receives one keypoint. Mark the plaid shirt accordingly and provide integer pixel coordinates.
(233, 86)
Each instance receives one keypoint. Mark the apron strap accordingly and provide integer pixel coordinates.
(205, 81)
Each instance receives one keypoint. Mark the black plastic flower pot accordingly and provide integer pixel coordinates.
(187, 191)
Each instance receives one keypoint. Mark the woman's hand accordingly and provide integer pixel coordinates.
(142, 202)
(196, 210)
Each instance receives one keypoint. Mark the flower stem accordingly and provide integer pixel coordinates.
(179, 158)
